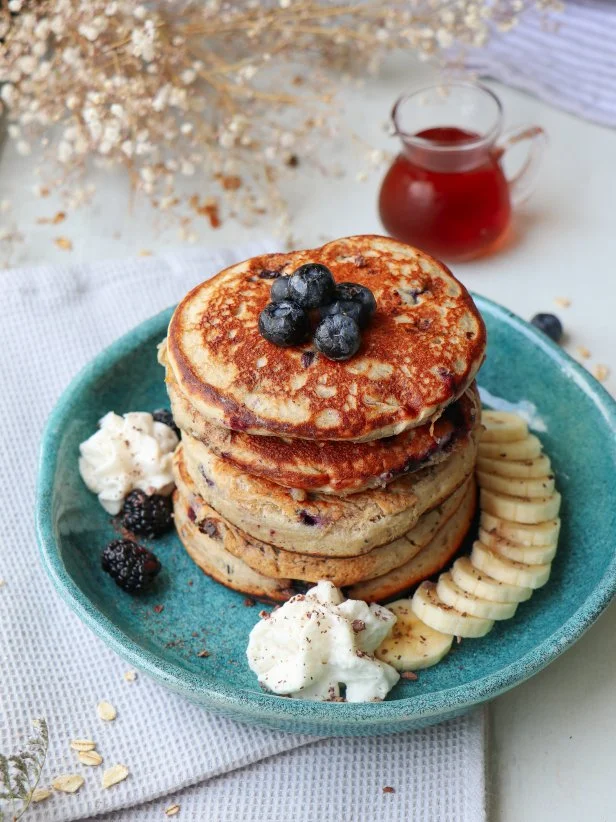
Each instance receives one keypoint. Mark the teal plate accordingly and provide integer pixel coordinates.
(197, 613)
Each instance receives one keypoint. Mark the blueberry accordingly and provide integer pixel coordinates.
(284, 323)
(549, 324)
(312, 285)
(358, 294)
(351, 309)
(337, 337)
(280, 290)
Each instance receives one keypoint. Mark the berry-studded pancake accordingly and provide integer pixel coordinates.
(207, 548)
(323, 524)
(429, 561)
(209, 554)
(420, 351)
(332, 466)
(277, 563)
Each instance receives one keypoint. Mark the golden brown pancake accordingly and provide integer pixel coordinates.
(323, 524)
(428, 562)
(279, 564)
(207, 550)
(209, 554)
(332, 467)
(420, 352)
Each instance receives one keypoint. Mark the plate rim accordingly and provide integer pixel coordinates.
(253, 705)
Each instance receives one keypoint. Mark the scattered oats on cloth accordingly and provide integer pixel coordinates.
(90, 758)
(83, 745)
(53, 666)
(67, 782)
(106, 711)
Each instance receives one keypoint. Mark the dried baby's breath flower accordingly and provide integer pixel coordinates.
(583, 352)
(130, 676)
(106, 711)
(67, 783)
(10, 239)
(217, 91)
(113, 775)
(83, 745)
(562, 302)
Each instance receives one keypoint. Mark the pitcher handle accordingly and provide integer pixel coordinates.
(523, 181)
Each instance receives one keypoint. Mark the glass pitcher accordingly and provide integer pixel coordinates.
(446, 192)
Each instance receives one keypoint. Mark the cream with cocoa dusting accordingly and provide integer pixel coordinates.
(317, 642)
(127, 452)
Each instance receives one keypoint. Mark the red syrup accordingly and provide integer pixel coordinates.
(446, 193)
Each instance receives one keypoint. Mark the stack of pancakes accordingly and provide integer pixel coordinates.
(293, 468)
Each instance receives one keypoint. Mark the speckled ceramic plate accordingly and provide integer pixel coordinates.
(162, 633)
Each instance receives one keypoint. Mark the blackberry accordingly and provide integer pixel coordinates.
(166, 417)
(131, 566)
(148, 515)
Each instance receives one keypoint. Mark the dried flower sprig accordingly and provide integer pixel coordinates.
(20, 773)
(238, 92)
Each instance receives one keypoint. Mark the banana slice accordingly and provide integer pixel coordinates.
(412, 645)
(532, 488)
(520, 469)
(526, 449)
(542, 533)
(520, 509)
(508, 570)
(452, 594)
(503, 426)
(531, 554)
(431, 609)
(480, 584)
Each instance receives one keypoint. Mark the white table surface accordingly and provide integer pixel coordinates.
(553, 744)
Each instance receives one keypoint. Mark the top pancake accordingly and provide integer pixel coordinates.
(420, 352)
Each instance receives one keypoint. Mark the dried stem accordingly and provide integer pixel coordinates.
(218, 90)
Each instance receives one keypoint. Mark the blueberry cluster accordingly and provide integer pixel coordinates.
(341, 311)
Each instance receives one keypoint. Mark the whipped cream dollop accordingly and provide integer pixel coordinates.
(317, 641)
(127, 452)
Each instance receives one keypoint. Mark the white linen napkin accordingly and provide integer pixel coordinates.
(566, 58)
(54, 319)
